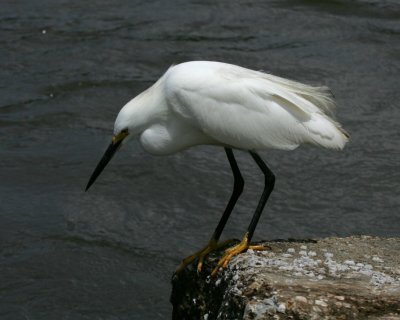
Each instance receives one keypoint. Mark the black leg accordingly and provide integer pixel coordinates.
(213, 243)
(268, 187)
(245, 243)
(237, 191)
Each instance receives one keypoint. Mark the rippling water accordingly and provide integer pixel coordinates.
(67, 67)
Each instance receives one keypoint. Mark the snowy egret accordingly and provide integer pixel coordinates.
(213, 103)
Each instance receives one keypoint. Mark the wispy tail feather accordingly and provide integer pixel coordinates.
(321, 97)
(319, 104)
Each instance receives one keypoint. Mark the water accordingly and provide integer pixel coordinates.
(66, 69)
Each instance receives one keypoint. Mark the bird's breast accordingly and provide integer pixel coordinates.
(172, 137)
(156, 140)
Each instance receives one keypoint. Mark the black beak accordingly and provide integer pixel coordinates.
(111, 150)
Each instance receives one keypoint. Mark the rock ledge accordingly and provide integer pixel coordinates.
(331, 278)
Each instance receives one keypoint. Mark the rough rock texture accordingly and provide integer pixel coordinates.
(332, 278)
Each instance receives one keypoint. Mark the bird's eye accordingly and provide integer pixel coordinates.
(125, 131)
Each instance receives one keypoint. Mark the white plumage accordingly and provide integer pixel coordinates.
(203, 102)
(217, 103)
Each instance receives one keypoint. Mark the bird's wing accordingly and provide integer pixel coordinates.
(248, 110)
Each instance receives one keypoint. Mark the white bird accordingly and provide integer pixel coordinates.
(214, 103)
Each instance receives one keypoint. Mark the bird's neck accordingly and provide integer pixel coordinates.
(149, 108)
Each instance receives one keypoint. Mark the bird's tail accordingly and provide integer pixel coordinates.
(321, 127)
(326, 132)
(319, 96)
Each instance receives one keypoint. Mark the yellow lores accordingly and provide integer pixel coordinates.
(120, 136)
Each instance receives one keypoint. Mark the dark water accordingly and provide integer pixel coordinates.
(67, 67)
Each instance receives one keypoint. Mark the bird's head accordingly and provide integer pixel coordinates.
(131, 121)
(137, 115)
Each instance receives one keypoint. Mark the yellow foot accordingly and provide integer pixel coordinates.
(235, 250)
(201, 254)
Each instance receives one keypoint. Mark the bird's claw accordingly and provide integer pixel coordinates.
(229, 253)
(235, 250)
(213, 245)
